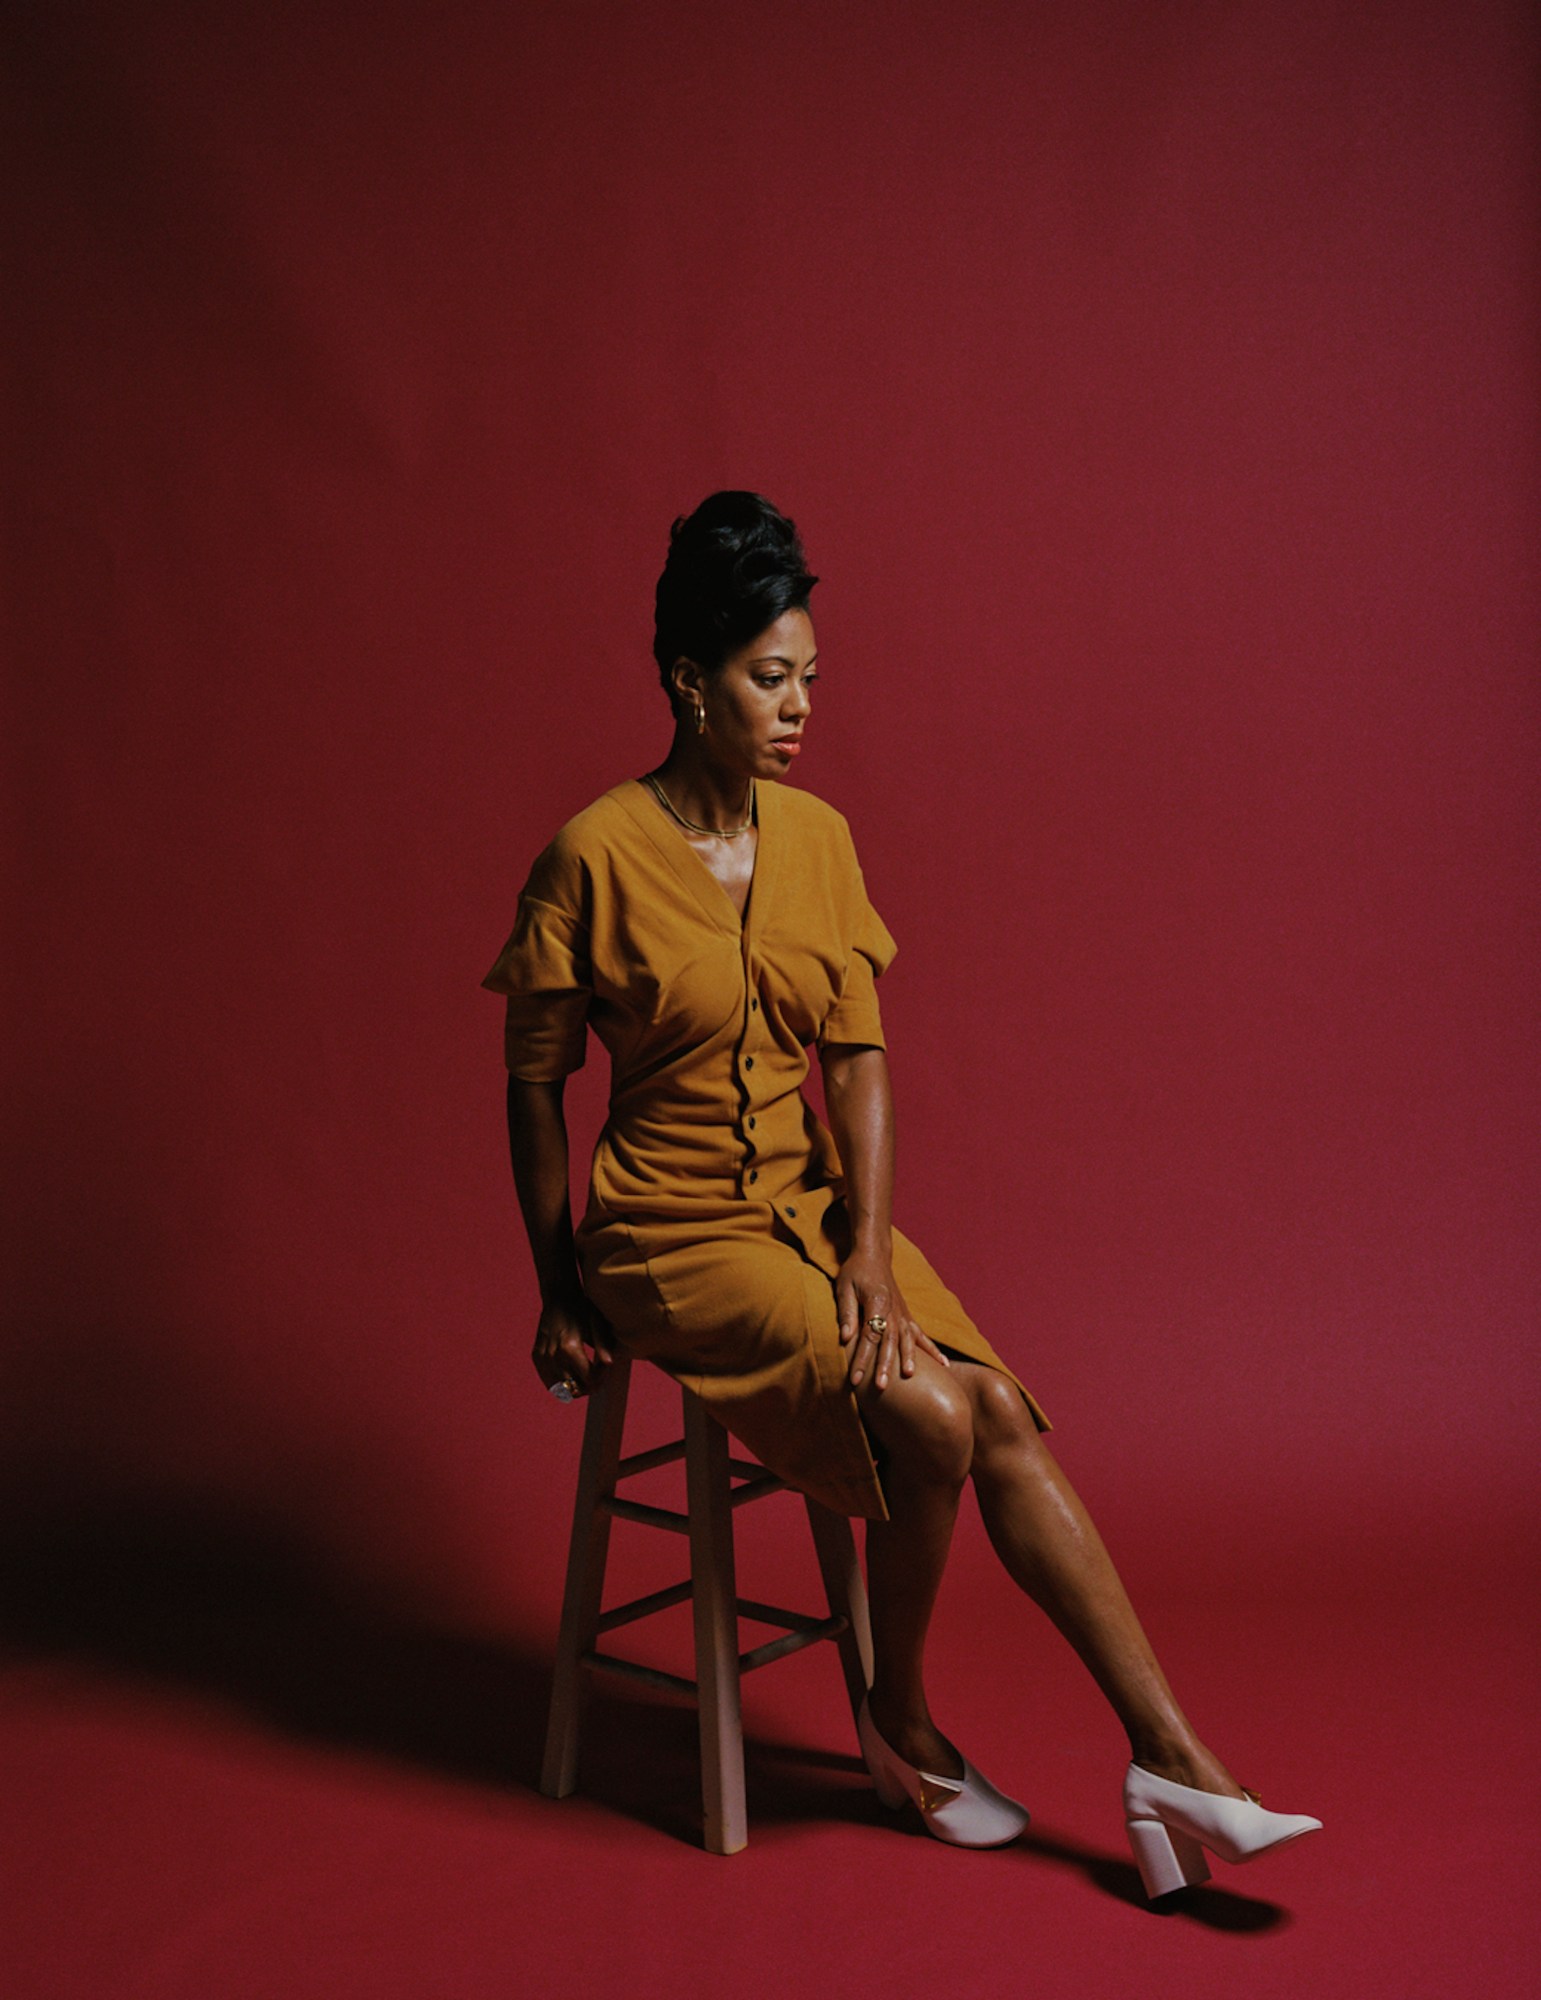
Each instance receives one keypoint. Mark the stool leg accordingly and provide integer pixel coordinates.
(586, 1555)
(846, 1590)
(708, 1485)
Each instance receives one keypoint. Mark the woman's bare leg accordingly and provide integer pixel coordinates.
(1052, 1550)
(923, 1427)
(935, 1429)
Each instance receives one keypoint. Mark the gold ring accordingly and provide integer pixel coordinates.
(877, 1321)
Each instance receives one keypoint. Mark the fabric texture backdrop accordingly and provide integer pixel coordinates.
(1154, 387)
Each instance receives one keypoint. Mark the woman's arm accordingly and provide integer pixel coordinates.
(860, 1101)
(858, 1096)
(537, 1144)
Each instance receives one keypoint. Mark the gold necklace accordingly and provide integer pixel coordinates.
(722, 832)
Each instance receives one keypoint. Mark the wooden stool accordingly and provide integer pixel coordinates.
(711, 1497)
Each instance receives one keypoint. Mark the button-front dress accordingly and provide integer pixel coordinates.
(716, 1225)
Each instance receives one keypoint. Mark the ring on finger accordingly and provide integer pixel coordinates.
(877, 1322)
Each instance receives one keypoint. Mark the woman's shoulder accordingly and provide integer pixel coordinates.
(595, 826)
(822, 830)
(562, 869)
(810, 814)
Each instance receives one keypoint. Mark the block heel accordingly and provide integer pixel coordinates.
(1166, 1859)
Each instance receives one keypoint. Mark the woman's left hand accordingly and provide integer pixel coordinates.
(865, 1290)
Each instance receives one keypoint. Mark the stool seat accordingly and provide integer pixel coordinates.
(711, 1497)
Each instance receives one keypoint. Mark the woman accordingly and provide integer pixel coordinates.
(711, 923)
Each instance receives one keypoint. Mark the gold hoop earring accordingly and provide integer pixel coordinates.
(700, 717)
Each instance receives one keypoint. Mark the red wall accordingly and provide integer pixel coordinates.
(1154, 385)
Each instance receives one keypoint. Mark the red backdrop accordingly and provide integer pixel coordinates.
(1153, 384)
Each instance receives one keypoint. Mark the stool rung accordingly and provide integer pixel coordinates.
(756, 1489)
(644, 1607)
(772, 1614)
(678, 1593)
(809, 1633)
(650, 1517)
(644, 1461)
(777, 1649)
(632, 1670)
(746, 1468)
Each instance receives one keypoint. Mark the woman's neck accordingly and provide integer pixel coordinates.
(701, 789)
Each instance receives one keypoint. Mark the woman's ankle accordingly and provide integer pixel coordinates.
(903, 1720)
(1182, 1760)
(898, 1708)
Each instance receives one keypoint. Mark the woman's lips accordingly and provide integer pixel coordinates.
(788, 746)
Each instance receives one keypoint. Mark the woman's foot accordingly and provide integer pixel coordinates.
(1170, 1826)
(966, 1811)
(914, 1736)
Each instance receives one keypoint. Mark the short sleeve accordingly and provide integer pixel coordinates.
(545, 970)
(855, 1016)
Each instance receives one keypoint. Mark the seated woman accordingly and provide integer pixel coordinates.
(711, 924)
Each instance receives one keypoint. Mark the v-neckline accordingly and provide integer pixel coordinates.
(709, 891)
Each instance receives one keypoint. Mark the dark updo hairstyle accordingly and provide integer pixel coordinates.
(735, 565)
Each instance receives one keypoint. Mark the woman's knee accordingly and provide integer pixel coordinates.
(925, 1422)
(1000, 1417)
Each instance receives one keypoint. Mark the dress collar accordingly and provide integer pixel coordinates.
(693, 872)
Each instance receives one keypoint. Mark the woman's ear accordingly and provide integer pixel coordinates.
(687, 678)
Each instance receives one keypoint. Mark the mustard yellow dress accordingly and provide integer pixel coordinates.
(715, 1224)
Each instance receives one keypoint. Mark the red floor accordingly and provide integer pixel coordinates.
(219, 1804)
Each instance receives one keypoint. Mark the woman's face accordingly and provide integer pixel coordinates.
(757, 702)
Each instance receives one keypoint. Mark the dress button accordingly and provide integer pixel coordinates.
(754, 1173)
(749, 1062)
(754, 1006)
(751, 1121)
(791, 1211)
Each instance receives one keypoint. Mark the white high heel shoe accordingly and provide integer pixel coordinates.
(1170, 1826)
(967, 1811)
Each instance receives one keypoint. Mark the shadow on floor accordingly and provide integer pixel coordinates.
(195, 1600)
(1211, 1905)
(165, 1594)
(186, 1597)
(641, 1759)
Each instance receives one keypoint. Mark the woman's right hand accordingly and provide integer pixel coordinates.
(572, 1340)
